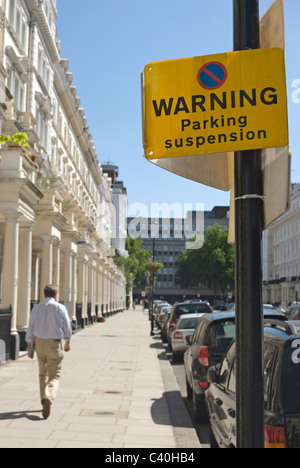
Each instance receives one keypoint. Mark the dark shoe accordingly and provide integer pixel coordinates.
(46, 408)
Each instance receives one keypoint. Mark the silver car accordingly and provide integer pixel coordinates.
(185, 326)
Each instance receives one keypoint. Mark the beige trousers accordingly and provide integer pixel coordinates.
(50, 355)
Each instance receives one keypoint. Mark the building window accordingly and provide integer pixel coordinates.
(18, 21)
(17, 88)
(43, 68)
(54, 111)
(42, 127)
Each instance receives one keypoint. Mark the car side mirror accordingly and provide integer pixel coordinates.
(265, 382)
(212, 375)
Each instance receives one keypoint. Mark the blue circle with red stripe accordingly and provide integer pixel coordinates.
(212, 75)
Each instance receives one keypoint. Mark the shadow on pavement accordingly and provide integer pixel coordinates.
(21, 415)
(173, 402)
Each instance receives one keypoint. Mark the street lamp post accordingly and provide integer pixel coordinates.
(248, 234)
(153, 233)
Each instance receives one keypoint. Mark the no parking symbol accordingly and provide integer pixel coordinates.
(212, 75)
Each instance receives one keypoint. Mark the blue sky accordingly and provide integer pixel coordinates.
(109, 42)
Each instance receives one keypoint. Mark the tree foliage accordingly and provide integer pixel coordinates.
(213, 264)
(134, 267)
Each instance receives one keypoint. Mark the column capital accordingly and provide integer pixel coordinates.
(47, 238)
(27, 225)
(82, 258)
(12, 216)
(67, 250)
(57, 243)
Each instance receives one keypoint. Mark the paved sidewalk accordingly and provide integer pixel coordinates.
(118, 390)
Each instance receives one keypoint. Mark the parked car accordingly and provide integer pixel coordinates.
(213, 335)
(293, 313)
(156, 304)
(165, 327)
(183, 308)
(269, 307)
(281, 394)
(185, 326)
(158, 309)
(220, 306)
(161, 314)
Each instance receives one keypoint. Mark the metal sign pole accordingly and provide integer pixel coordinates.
(248, 233)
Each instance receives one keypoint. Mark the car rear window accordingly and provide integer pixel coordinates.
(221, 334)
(193, 309)
(190, 323)
(292, 387)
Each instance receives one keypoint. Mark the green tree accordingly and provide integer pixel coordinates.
(135, 266)
(213, 264)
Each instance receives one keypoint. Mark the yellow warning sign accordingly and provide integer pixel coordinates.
(225, 102)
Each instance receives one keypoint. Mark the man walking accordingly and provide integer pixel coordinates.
(49, 324)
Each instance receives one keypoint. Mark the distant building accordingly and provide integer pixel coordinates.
(168, 238)
(119, 200)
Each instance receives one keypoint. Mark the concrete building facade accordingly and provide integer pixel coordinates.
(281, 251)
(55, 200)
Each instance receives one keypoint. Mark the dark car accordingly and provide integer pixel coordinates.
(165, 327)
(213, 335)
(281, 394)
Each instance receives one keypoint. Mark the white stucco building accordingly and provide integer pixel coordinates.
(281, 247)
(55, 201)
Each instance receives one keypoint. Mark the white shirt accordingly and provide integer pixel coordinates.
(49, 320)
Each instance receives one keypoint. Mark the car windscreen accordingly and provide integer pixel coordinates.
(292, 386)
(188, 324)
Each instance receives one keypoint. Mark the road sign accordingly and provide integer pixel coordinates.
(217, 169)
(215, 104)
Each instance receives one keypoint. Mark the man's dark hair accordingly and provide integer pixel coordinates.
(50, 291)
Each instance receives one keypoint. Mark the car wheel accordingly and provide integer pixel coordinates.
(189, 390)
(199, 408)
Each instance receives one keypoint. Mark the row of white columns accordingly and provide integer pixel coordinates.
(279, 293)
(85, 279)
(82, 279)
